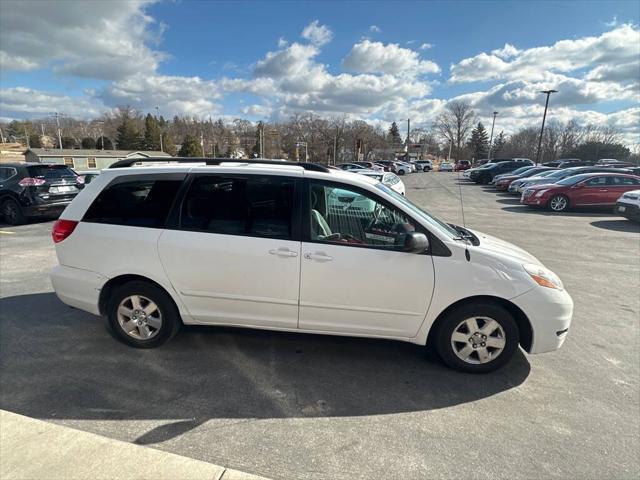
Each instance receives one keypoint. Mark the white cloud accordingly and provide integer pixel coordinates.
(317, 34)
(282, 42)
(613, 22)
(20, 101)
(38, 33)
(426, 46)
(505, 52)
(376, 57)
(187, 95)
(374, 29)
(410, 42)
(617, 46)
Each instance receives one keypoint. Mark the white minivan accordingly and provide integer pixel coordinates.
(297, 247)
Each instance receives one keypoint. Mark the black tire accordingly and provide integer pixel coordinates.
(485, 180)
(12, 212)
(446, 328)
(400, 172)
(171, 320)
(560, 200)
(425, 169)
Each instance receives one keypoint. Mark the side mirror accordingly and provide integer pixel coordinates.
(415, 242)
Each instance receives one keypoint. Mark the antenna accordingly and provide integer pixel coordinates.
(467, 255)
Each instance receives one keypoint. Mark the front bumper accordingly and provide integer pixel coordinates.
(549, 312)
(628, 210)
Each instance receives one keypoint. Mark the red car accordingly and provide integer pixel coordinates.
(587, 189)
(462, 165)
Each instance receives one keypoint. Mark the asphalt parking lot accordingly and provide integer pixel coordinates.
(292, 406)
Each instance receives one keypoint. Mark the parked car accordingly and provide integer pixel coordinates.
(424, 165)
(350, 166)
(32, 190)
(391, 166)
(628, 205)
(462, 165)
(514, 187)
(587, 189)
(486, 174)
(389, 179)
(526, 161)
(505, 181)
(204, 244)
(403, 168)
(517, 171)
(467, 173)
(370, 166)
(568, 172)
(445, 167)
(567, 163)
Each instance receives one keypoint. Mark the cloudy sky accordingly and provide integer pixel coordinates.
(379, 61)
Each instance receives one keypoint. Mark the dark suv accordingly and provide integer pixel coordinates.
(30, 190)
(485, 175)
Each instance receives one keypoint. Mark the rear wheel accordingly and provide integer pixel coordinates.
(400, 172)
(477, 338)
(558, 203)
(12, 212)
(142, 315)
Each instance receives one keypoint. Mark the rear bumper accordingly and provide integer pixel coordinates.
(45, 209)
(549, 312)
(78, 288)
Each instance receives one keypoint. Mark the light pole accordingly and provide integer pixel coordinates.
(493, 124)
(160, 128)
(544, 117)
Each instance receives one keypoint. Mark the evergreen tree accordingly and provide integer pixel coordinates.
(108, 144)
(169, 145)
(88, 143)
(69, 142)
(151, 133)
(498, 144)
(394, 134)
(127, 136)
(190, 147)
(255, 150)
(34, 141)
(479, 142)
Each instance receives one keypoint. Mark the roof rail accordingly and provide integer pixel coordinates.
(128, 162)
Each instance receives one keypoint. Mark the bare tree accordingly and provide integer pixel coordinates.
(455, 123)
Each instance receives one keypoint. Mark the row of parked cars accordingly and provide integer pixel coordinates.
(564, 184)
(394, 166)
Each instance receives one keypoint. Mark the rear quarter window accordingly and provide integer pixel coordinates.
(140, 202)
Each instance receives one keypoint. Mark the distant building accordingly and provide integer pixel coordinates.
(86, 159)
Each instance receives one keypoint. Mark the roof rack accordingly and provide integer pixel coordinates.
(128, 162)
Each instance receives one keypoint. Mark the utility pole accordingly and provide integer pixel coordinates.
(26, 135)
(544, 117)
(450, 147)
(261, 133)
(202, 142)
(58, 115)
(335, 147)
(495, 114)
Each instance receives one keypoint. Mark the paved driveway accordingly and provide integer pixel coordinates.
(311, 407)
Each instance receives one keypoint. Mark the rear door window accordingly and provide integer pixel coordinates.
(140, 202)
(258, 206)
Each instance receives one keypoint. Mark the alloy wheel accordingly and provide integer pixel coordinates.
(478, 340)
(557, 204)
(139, 317)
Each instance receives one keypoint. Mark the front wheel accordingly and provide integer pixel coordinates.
(142, 315)
(400, 172)
(477, 338)
(558, 203)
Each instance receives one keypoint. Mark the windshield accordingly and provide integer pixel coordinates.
(426, 217)
(520, 170)
(377, 176)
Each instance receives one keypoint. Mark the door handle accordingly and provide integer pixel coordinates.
(283, 252)
(321, 257)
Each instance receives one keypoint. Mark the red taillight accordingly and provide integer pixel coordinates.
(31, 182)
(62, 229)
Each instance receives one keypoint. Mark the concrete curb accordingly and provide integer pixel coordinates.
(32, 449)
